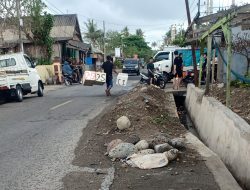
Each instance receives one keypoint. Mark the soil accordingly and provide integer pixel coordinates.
(240, 100)
(150, 112)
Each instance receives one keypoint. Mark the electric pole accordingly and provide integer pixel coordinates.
(20, 23)
(192, 45)
(104, 49)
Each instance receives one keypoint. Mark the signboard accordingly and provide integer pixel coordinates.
(100, 78)
(117, 52)
(122, 79)
(91, 78)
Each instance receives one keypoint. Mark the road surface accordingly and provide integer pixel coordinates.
(39, 135)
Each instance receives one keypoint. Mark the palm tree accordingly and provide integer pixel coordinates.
(139, 32)
(154, 44)
(125, 31)
(93, 34)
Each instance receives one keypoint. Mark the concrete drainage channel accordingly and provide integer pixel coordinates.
(224, 132)
(183, 114)
(222, 176)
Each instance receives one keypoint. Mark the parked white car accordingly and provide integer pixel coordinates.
(18, 77)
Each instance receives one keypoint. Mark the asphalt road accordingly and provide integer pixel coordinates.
(39, 135)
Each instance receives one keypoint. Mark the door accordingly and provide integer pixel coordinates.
(33, 75)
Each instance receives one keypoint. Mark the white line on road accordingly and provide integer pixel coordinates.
(60, 105)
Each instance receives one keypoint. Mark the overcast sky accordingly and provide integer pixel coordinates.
(154, 17)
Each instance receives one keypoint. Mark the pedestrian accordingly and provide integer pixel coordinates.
(178, 70)
(108, 68)
(151, 68)
(204, 67)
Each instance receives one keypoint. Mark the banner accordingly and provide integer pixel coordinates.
(122, 79)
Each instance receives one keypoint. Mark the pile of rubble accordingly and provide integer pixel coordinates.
(144, 154)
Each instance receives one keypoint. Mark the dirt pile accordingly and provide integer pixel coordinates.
(153, 118)
(240, 99)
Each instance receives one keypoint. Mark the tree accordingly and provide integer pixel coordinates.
(154, 44)
(180, 39)
(93, 34)
(134, 44)
(113, 40)
(139, 32)
(125, 32)
(37, 23)
(241, 45)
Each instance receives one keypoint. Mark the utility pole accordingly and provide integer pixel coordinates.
(20, 23)
(104, 35)
(192, 45)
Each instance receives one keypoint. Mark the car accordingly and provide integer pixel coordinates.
(18, 77)
(131, 66)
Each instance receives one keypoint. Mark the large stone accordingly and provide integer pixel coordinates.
(171, 154)
(158, 139)
(122, 150)
(142, 145)
(133, 139)
(160, 148)
(123, 123)
(146, 151)
(177, 143)
(113, 144)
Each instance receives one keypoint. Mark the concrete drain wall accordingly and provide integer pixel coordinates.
(224, 132)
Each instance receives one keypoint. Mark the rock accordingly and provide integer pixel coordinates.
(171, 154)
(113, 144)
(160, 148)
(144, 89)
(177, 143)
(142, 145)
(122, 150)
(146, 151)
(158, 139)
(123, 123)
(221, 85)
(133, 139)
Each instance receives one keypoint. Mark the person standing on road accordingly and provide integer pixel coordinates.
(178, 67)
(151, 68)
(108, 68)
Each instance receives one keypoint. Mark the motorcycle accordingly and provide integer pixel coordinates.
(158, 80)
(189, 78)
(74, 78)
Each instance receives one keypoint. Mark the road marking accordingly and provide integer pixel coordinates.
(60, 105)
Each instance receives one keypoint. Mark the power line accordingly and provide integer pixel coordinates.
(54, 6)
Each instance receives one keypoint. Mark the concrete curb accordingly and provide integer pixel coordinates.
(222, 176)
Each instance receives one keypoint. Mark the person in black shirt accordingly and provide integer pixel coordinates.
(204, 67)
(150, 68)
(178, 67)
(108, 68)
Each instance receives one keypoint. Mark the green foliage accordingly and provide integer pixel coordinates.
(43, 61)
(134, 44)
(125, 32)
(41, 24)
(93, 34)
(239, 84)
(113, 40)
(139, 32)
(118, 64)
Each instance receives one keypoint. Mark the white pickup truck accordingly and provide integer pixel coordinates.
(18, 77)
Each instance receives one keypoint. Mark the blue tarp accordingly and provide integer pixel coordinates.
(187, 56)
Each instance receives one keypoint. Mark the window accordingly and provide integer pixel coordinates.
(29, 63)
(7, 62)
(162, 56)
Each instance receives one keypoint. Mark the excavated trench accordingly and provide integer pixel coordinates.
(183, 114)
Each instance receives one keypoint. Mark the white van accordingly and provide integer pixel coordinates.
(19, 77)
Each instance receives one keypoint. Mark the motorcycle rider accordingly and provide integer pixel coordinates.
(67, 68)
(151, 68)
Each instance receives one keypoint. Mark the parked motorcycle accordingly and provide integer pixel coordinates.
(189, 78)
(158, 80)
